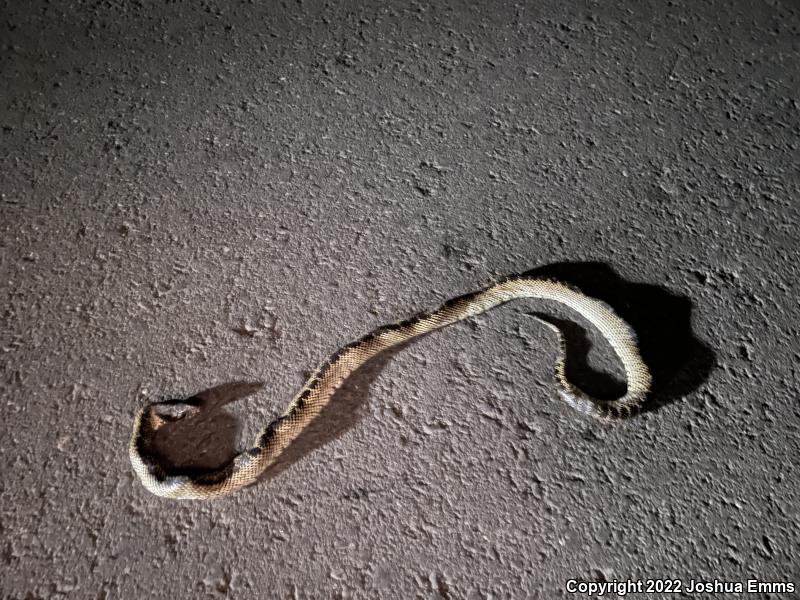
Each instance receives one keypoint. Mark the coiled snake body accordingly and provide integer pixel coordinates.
(246, 467)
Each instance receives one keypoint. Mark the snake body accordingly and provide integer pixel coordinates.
(248, 465)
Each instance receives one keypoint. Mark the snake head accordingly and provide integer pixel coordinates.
(169, 411)
(157, 414)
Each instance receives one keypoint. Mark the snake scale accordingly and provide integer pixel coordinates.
(247, 466)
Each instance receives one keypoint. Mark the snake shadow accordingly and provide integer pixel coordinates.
(679, 363)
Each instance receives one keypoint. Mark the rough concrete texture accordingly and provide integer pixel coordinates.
(303, 172)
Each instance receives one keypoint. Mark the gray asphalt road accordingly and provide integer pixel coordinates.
(303, 172)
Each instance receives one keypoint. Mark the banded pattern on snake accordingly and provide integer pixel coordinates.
(248, 465)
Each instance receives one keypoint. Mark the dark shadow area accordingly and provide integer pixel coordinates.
(678, 361)
(206, 441)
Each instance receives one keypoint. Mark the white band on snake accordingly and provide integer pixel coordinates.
(248, 465)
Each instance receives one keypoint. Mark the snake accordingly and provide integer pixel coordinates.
(247, 466)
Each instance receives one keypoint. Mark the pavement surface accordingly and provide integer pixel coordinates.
(198, 194)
